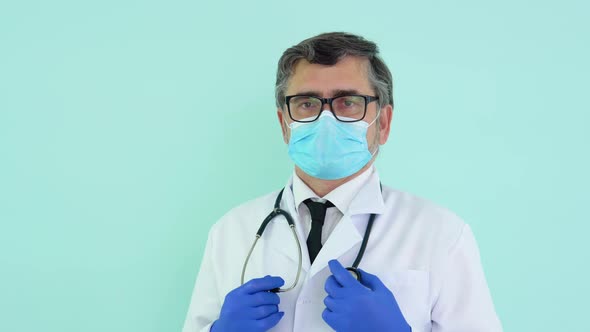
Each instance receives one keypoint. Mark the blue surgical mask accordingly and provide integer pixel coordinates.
(330, 149)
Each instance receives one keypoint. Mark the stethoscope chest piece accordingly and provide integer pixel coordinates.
(355, 273)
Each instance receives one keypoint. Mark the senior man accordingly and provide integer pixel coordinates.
(359, 255)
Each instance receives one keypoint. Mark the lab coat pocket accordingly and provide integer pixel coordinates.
(411, 291)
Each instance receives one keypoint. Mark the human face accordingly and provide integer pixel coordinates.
(349, 74)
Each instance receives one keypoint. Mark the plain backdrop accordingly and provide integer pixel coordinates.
(127, 128)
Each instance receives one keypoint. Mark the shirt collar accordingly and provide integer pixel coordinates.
(359, 195)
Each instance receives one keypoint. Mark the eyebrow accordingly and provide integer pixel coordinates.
(333, 93)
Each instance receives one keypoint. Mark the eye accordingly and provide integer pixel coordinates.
(306, 103)
(348, 102)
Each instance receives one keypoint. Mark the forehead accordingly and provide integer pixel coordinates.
(350, 73)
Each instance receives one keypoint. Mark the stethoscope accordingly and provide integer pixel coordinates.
(278, 211)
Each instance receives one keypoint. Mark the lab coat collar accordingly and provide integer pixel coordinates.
(369, 198)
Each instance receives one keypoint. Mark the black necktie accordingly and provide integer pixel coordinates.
(318, 213)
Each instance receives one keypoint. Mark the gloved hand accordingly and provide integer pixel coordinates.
(351, 306)
(250, 307)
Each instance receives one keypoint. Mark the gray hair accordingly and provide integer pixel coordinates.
(328, 49)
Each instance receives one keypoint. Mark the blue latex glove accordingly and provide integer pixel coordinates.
(250, 307)
(355, 306)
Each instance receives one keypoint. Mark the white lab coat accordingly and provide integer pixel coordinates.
(426, 255)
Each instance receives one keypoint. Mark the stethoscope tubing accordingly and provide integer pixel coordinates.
(278, 211)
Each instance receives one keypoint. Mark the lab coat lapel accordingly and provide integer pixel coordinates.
(343, 238)
(350, 229)
(280, 237)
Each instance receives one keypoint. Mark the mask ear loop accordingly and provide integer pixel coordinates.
(370, 124)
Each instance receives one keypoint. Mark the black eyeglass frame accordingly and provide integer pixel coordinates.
(368, 100)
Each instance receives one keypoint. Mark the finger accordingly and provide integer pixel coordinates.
(262, 298)
(371, 281)
(270, 321)
(332, 304)
(333, 288)
(262, 284)
(342, 275)
(331, 318)
(262, 311)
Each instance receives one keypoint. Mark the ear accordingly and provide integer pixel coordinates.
(284, 128)
(385, 123)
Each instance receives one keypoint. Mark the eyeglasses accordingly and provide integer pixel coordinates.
(348, 108)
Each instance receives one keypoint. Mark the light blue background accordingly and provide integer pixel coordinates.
(128, 128)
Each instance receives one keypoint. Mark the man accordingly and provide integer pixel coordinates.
(420, 270)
